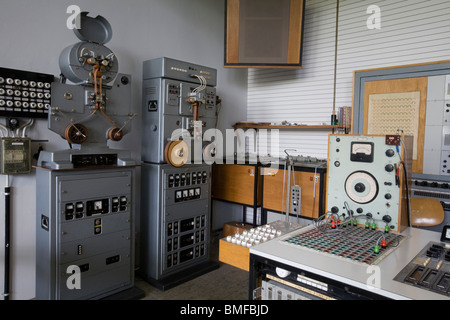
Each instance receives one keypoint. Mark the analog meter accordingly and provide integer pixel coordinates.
(362, 152)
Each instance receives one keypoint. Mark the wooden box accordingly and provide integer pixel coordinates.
(312, 195)
(236, 183)
(234, 255)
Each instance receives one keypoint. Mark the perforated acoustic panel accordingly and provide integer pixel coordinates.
(391, 112)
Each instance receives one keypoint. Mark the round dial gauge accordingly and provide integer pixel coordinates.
(361, 187)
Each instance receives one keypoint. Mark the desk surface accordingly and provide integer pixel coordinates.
(354, 273)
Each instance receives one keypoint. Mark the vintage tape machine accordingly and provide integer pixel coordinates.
(368, 178)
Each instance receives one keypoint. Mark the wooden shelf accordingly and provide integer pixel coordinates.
(297, 127)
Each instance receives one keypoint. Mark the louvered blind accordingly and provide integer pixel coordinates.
(411, 31)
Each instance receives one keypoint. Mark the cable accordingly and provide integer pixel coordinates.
(7, 238)
(402, 164)
(203, 83)
(109, 119)
(284, 183)
(3, 127)
(24, 127)
(332, 224)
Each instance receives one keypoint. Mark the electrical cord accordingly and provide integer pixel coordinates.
(332, 224)
(406, 180)
(203, 84)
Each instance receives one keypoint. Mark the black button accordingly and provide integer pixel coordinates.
(359, 187)
(390, 153)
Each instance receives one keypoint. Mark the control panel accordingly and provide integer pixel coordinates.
(24, 93)
(186, 233)
(82, 209)
(180, 70)
(296, 200)
(89, 218)
(91, 160)
(185, 240)
(429, 270)
(178, 229)
(273, 280)
(366, 179)
(436, 153)
(169, 88)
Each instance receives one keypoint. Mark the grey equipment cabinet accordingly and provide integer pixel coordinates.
(84, 219)
(175, 223)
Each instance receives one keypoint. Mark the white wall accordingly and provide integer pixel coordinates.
(412, 31)
(33, 34)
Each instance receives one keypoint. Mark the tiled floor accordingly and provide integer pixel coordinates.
(223, 283)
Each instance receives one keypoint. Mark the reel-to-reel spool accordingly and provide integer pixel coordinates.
(366, 179)
(177, 153)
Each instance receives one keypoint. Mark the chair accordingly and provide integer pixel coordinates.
(426, 212)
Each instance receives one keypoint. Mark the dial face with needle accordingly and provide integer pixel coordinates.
(361, 187)
(362, 152)
(364, 148)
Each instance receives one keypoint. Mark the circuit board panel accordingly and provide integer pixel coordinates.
(354, 243)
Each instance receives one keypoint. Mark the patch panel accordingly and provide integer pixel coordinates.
(338, 243)
(24, 93)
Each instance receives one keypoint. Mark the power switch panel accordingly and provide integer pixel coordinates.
(16, 156)
(296, 200)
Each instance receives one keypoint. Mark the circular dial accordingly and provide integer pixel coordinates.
(76, 134)
(361, 187)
